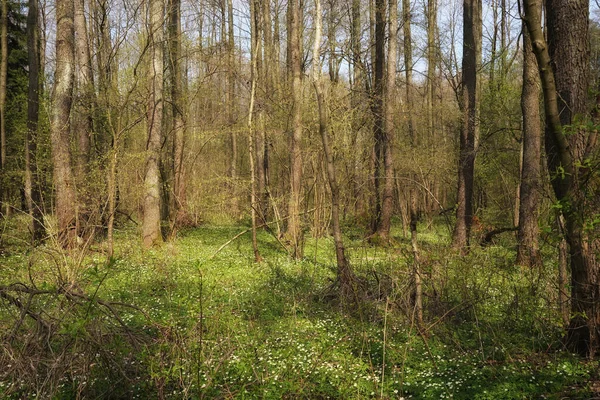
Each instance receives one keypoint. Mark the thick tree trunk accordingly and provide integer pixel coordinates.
(470, 124)
(178, 109)
(151, 232)
(563, 63)
(527, 237)
(66, 210)
(32, 188)
(294, 227)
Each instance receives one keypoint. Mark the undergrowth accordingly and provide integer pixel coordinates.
(185, 321)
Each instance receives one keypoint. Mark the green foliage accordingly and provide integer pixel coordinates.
(218, 325)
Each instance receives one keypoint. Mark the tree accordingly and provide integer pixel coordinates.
(177, 105)
(527, 236)
(345, 275)
(62, 98)
(3, 81)
(294, 228)
(472, 29)
(377, 97)
(32, 188)
(413, 206)
(151, 232)
(571, 146)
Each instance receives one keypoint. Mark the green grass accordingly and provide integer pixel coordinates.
(218, 325)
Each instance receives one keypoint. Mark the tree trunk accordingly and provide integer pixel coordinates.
(387, 199)
(178, 109)
(470, 124)
(378, 110)
(345, 275)
(233, 173)
(151, 232)
(32, 188)
(4, 206)
(251, 131)
(527, 237)
(413, 191)
(66, 209)
(563, 65)
(294, 228)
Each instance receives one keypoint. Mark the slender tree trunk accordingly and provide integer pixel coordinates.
(413, 199)
(151, 232)
(32, 188)
(563, 65)
(251, 130)
(344, 272)
(527, 237)
(387, 200)
(294, 227)
(178, 109)
(378, 110)
(357, 98)
(472, 23)
(62, 97)
(233, 172)
(3, 77)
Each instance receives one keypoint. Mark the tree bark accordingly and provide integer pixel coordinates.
(4, 206)
(387, 199)
(563, 65)
(527, 236)
(151, 232)
(32, 188)
(345, 275)
(178, 109)
(413, 191)
(472, 25)
(62, 98)
(233, 173)
(294, 228)
(378, 111)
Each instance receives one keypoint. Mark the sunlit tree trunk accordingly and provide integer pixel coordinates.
(294, 226)
(151, 232)
(527, 237)
(62, 97)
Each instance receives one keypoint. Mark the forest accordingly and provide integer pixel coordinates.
(299, 199)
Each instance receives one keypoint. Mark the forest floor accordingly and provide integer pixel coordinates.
(187, 321)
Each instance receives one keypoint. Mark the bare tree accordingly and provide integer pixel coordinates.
(345, 275)
(472, 30)
(151, 232)
(294, 226)
(3, 78)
